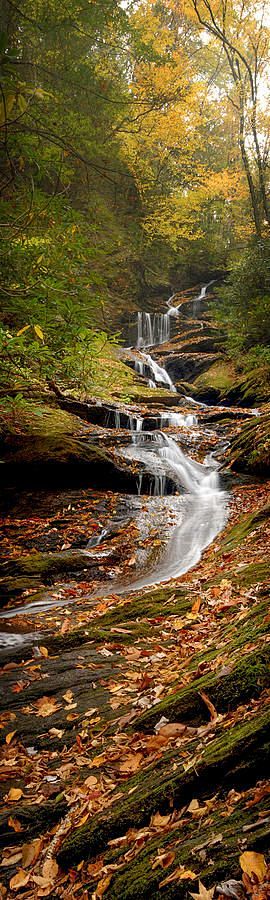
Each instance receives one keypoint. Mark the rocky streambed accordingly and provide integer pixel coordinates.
(135, 635)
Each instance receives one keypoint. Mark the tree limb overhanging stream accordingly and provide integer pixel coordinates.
(197, 503)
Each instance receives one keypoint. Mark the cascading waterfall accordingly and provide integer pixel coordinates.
(152, 329)
(147, 366)
(202, 508)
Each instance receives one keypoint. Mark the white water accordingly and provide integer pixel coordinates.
(158, 375)
(152, 329)
(196, 301)
(203, 509)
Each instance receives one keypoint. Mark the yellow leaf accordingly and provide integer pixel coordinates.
(15, 794)
(39, 332)
(253, 863)
(10, 736)
(68, 696)
(19, 880)
(46, 706)
(44, 652)
(102, 886)
(83, 820)
(179, 874)
(25, 328)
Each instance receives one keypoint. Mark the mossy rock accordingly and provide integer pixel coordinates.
(250, 451)
(243, 528)
(249, 676)
(138, 879)
(232, 757)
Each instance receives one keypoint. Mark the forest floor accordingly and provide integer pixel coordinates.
(135, 732)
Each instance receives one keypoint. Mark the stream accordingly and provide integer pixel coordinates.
(189, 516)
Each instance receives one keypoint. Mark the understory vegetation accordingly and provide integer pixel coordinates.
(110, 187)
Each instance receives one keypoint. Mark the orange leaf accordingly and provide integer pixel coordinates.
(196, 605)
(14, 794)
(210, 706)
(10, 736)
(19, 880)
(131, 763)
(15, 824)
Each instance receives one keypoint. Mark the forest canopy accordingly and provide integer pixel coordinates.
(134, 160)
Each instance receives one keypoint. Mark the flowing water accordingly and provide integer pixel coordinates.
(199, 506)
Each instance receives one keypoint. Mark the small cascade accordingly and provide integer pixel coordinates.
(177, 419)
(163, 457)
(135, 423)
(149, 368)
(152, 329)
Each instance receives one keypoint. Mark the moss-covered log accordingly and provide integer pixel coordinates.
(212, 853)
(249, 676)
(233, 756)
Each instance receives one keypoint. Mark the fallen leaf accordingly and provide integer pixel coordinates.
(56, 732)
(193, 806)
(19, 880)
(30, 852)
(164, 859)
(102, 886)
(15, 824)
(44, 652)
(14, 794)
(83, 820)
(131, 763)
(46, 706)
(91, 781)
(159, 821)
(10, 736)
(180, 874)
(172, 729)
(11, 860)
(196, 605)
(210, 706)
(253, 864)
(50, 870)
(68, 696)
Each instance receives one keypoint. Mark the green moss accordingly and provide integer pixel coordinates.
(244, 526)
(166, 784)
(248, 678)
(220, 376)
(138, 881)
(250, 451)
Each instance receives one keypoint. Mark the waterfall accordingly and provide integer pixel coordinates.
(147, 366)
(152, 329)
(176, 419)
(202, 509)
